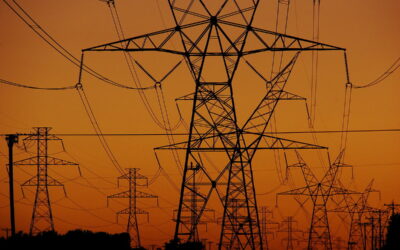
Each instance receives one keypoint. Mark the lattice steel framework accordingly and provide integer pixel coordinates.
(356, 206)
(213, 36)
(42, 216)
(133, 178)
(287, 226)
(319, 191)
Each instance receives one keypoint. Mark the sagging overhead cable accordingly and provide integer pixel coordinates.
(46, 37)
(395, 66)
(130, 61)
(34, 87)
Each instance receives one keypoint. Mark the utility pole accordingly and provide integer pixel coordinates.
(133, 178)
(11, 140)
(392, 207)
(213, 42)
(42, 216)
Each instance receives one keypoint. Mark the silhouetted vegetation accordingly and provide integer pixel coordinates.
(393, 233)
(176, 244)
(73, 240)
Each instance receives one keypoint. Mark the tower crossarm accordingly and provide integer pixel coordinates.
(129, 211)
(259, 40)
(140, 194)
(265, 40)
(161, 41)
(48, 160)
(342, 191)
(266, 142)
(125, 194)
(34, 181)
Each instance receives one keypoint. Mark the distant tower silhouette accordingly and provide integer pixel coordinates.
(42, 217)
(289, 230)
(319, 192)
(356, 206)
(132, 210)
(264, 222)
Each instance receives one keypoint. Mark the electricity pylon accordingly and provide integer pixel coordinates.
(264, 222)
(42, 216)
(287, 227)
(213, 41)
(133, 178)
(319, 191)
(355, 206)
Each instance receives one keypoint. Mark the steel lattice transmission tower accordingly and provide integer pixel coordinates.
(287, 227)
(213, 36)
(134, 180)
(319, 191)
(42, 216)
(356, 206)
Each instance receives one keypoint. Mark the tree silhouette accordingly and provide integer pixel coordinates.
(72, 240)
(393, 233)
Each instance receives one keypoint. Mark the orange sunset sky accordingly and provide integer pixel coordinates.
(368, 29)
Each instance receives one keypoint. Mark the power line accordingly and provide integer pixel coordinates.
(185, 134)
(46, 37)
(97, 129)
(34, 87)
(383, 76)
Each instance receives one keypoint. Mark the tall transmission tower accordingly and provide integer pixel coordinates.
(42, 216)
(134, 180)
(213, 41)
(188, 214)
(319, 191)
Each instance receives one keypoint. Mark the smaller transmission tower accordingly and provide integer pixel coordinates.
(134, 180)
(287, 228)
(264, 222)
(355, 206)
(42, 217)
(319, 191)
